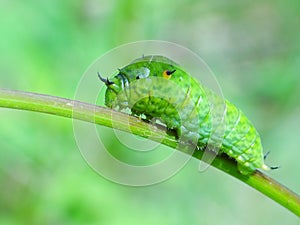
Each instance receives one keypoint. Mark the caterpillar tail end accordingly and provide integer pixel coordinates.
(268, 168)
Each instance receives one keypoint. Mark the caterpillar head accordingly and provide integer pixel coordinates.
(142, 68)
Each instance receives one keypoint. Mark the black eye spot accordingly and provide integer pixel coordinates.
(137, 77)
(169, 72)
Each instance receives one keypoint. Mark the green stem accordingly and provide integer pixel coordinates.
(103, 116)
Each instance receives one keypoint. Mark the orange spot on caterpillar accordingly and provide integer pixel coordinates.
(167, 73)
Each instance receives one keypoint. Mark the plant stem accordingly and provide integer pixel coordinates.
(103, 116)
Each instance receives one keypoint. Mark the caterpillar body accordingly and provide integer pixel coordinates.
(157, 87)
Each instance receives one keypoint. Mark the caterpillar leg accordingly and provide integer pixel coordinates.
(174, 132)
(245, 168)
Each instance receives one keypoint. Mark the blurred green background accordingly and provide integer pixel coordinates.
(253, 49)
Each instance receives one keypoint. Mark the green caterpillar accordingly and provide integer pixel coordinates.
(156, 87)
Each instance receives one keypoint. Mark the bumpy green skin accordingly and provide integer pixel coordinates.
(182, 103)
